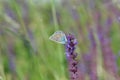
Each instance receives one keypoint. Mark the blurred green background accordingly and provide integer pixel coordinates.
(26, 53)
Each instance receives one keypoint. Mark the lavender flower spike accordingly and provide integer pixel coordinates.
(70, 45)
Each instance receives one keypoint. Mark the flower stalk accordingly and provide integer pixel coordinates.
(75, 74)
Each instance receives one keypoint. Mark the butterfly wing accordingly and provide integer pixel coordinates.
(59, 37)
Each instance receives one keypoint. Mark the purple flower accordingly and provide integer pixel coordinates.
(11, 58)
(108, 55)
(75, 74)
(90, 59)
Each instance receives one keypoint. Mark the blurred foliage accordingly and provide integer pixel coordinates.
(25, 27)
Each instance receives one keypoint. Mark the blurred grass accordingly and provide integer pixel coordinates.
(36, 57)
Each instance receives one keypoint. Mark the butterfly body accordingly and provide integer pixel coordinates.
(59, 37)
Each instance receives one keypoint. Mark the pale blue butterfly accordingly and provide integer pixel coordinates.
(59, 37)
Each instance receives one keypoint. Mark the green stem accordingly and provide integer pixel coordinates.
(54, 14)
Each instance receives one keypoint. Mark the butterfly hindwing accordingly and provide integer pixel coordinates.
(59, 37)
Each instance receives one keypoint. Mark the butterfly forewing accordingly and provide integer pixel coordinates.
(59, 37)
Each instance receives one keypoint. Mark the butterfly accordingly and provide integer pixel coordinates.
(59, 37)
